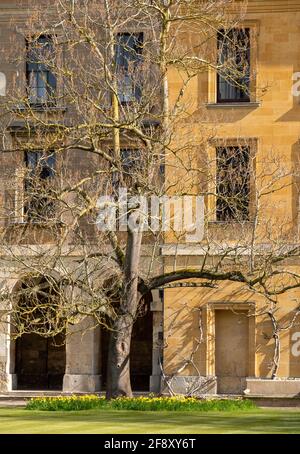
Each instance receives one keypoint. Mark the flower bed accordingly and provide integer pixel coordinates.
(177, 403)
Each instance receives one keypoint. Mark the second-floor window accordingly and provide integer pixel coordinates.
(128, 58)
(131, 168)
(233, 79)
(40, 170)
(233, 183)
(41, 82)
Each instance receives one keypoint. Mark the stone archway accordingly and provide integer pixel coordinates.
(39, 360)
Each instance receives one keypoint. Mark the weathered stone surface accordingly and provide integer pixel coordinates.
(268, 387)
(81, 383)
(155, 383)
(83, 358)
(193, 385)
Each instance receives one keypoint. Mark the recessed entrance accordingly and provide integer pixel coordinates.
(231, 350)
(40, 362)
(39, 359)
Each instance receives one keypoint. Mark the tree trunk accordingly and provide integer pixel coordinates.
(118, 366)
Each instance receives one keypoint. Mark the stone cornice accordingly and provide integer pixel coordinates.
(217, 250)
(19, 13)
(273, 6)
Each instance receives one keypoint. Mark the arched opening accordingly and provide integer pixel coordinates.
(141, 349)
(40, 362)
(40, 359)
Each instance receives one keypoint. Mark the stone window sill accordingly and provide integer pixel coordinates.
(233, 105)
(231, 222)
(40, 108)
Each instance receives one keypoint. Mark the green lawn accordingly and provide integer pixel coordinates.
(18, 420)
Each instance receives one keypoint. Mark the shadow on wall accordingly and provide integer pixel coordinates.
(289, 364)
(264, 348)
(294, 113)
(213, 114)
(182, 339)
(294, 341)
(296, 184)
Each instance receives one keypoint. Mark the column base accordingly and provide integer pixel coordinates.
(189, 385)
(88, 383)
(10, 382)
(155, 383)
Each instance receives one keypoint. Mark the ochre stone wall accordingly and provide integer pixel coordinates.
(272, 122)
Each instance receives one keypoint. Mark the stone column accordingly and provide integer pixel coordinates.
(157, 309)
(83, 360)
(8, 377)
(3, 357)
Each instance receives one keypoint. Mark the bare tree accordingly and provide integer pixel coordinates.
(110, 105)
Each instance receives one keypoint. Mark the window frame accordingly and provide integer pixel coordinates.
(224, 207)
(211, 100)
(50, 160)
(34, 70)
(136, 90)
(243, 96)
(211, 199)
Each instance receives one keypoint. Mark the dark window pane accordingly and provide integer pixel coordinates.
(128, 49)
(131, 166)
(233, 183)
(131, 160)
(233, 81)
(128, 57)
(32, 158)
(41, 168)
(41, 82)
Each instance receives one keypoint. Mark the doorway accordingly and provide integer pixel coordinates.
(40, 359)
(231, 350)
(40, 362)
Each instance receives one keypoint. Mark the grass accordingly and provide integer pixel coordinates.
(21, 421)
(88, 402)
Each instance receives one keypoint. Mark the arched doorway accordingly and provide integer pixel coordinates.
(40, 360)
(141, 349)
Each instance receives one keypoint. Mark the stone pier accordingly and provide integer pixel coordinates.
(83, 358)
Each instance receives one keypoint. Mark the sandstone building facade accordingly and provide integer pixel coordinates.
(196, 340)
